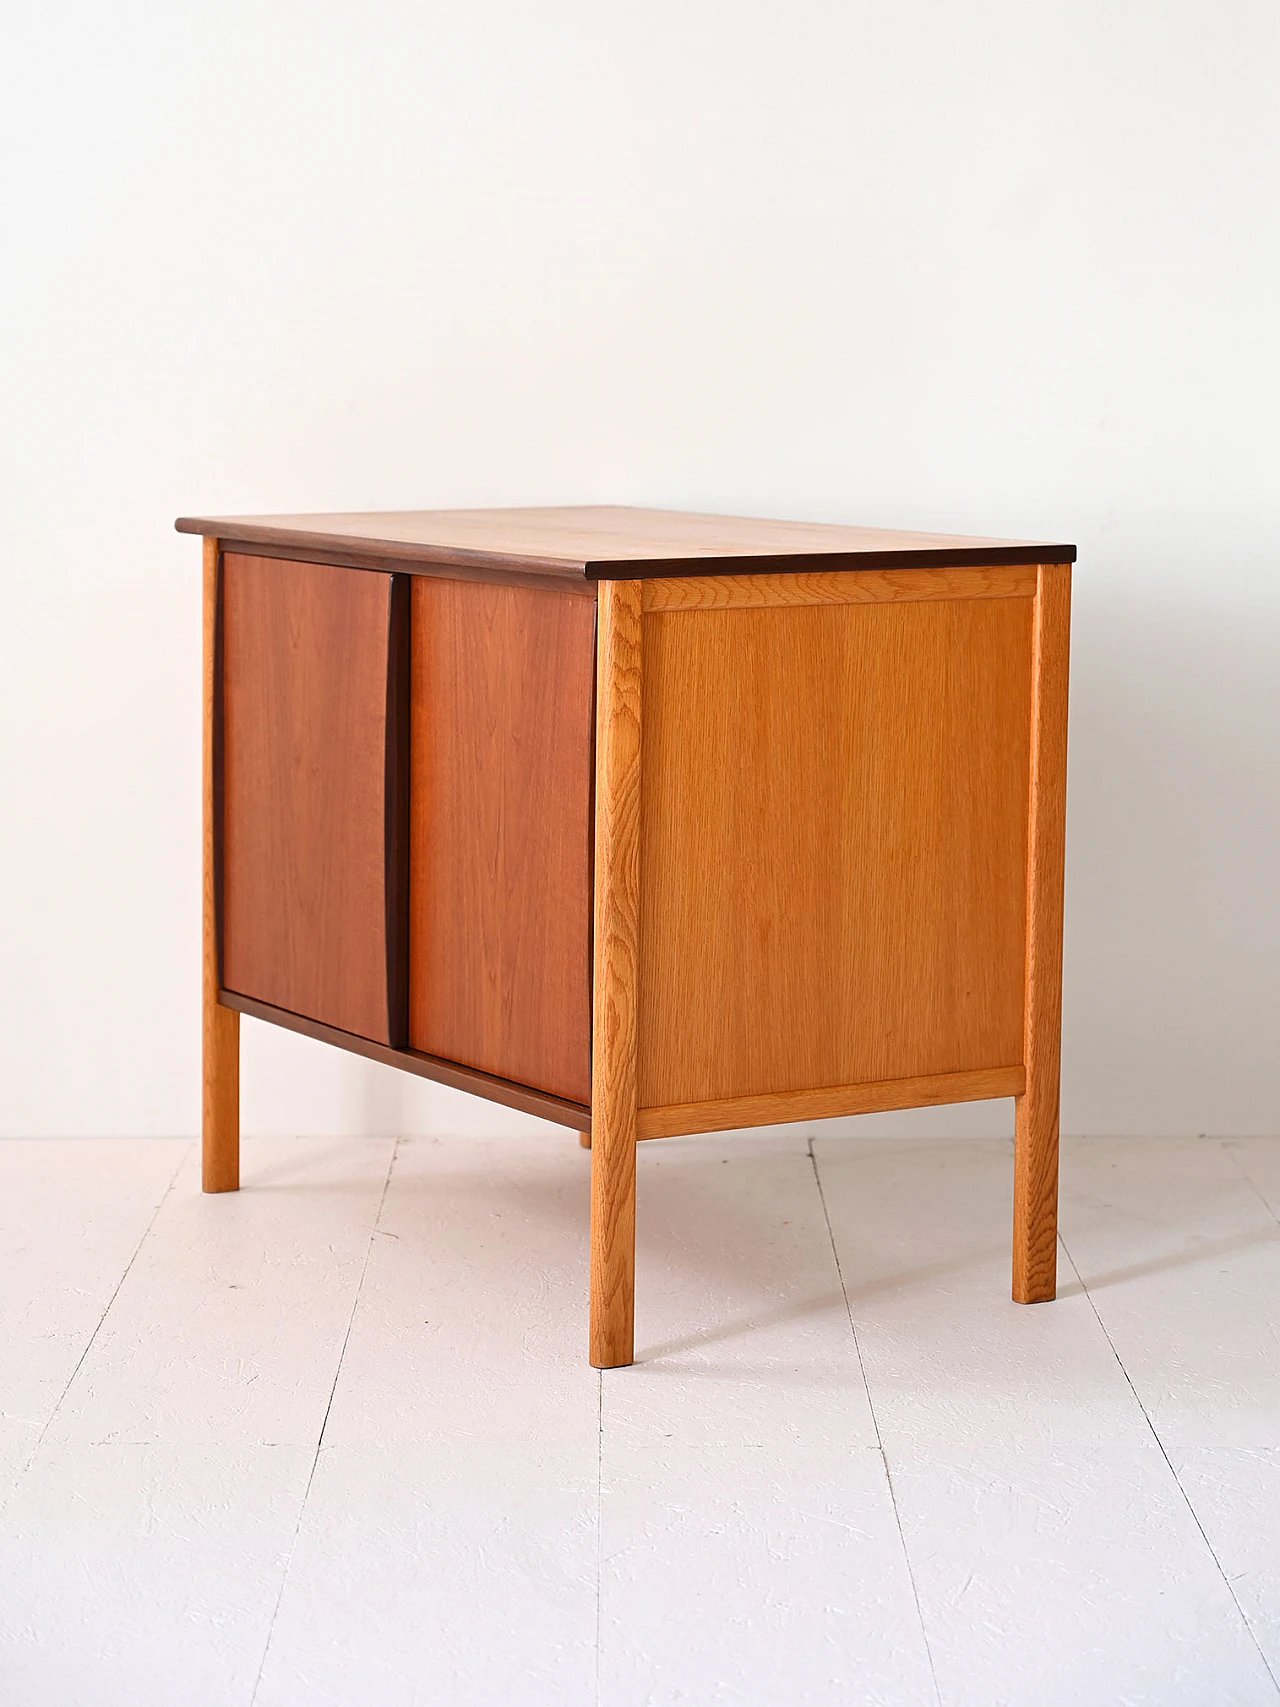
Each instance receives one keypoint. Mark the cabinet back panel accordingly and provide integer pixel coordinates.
(833, 844)
(304, 790)
(502, 681)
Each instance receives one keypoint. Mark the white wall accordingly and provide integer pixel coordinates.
(1005, 268)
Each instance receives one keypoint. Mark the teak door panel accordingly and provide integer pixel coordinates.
(500, 831)
(833, 844)
(312, 848)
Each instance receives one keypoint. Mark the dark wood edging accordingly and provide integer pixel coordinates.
(523, 1097)
(832, 562)
(391, 562)
(395, 813)
(468, 563)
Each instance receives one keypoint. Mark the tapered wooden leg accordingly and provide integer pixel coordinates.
(584, 1138)
(1035, 1201)
(220, 1127)
(613, 1056)
(613, 1249)
(220, 1112)
(1035, 1170)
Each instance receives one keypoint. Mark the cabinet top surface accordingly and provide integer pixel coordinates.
(611, 542)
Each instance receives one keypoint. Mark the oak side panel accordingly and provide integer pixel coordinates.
(220, 1053)
(306, 902)
(1035, 1174)
(617, 928)
(500, 831)
(835, 814)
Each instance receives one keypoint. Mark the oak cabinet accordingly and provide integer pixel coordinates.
(646, 823)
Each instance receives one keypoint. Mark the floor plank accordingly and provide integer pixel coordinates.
(1178, 1241)
(72, 1215)
(448, 1550)
(144, 1575)
(1258, 1159)
(1235, 1493)
(1074, 1502)
(1055, 1556)
(750, 1549)
(230, 1324)
(1181, 1256)
(144, 1550)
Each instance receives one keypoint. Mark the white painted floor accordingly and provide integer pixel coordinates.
(334, 1440)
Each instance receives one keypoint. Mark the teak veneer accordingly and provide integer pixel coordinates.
(646, 823)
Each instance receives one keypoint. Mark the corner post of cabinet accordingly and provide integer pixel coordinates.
(1035, 1173)
(616, 972)
(220, 1103)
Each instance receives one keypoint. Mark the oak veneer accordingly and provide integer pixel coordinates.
(775, 1107)
(617, 904)
(1035, 1167)
(846, 587)
(835, 812)
(220, 1077)
(647, 823)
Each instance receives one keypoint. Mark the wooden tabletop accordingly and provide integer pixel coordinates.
(601, 542)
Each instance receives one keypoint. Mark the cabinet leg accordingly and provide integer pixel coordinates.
(1035, 1167)
(220, 1110)
(220, 1126)
(617, 900)
(584, 1138)
(1035, 1198)
(613, 1249)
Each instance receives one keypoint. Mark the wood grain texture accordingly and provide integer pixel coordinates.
(604, 542)
(859, 586)
(220, 1054)
(833, 846)
(1035, 1174)
(526, 1098)
(306, 904)
(924, 1092)
(500, 901)
(617, 903)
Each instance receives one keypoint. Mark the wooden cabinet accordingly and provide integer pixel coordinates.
(647, 823)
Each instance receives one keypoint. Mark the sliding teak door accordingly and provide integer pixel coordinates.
(310, 791)
(500, 830)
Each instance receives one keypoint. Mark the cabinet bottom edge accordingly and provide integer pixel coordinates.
(523, 1097)
(924, 1091)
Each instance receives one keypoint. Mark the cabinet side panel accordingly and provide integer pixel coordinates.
(833, 845)
(305, 698)
(500, 831)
